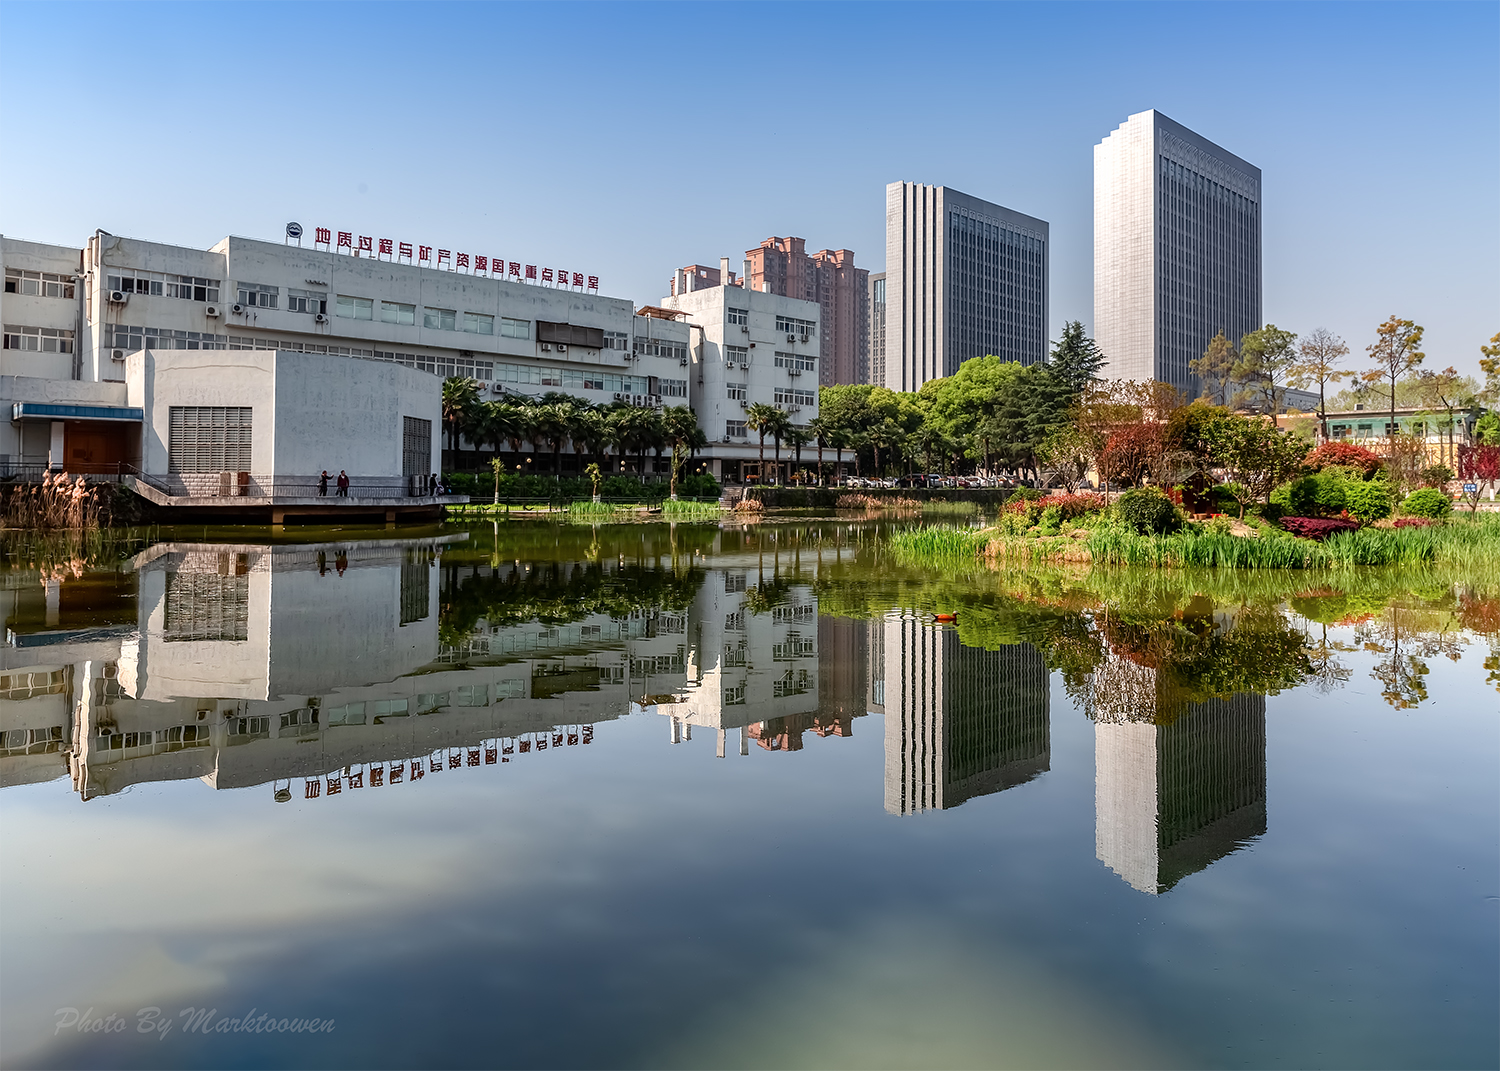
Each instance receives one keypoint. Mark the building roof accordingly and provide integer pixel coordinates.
(657, 312)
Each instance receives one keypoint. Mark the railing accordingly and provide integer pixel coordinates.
(12, 471)
(230, 484)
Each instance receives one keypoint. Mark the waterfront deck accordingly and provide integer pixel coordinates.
(279, 500)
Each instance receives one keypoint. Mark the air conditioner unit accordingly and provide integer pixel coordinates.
(497, 388)
(211, 311)
(320, 318)
(744, 329)
(791, 338)
(744, 404)
(682, 360)
(237, 309)
(804, 338)
(561, 348)
(546, 347)
(117, 355)
(726, 438)
(794, 371)
(118, 297)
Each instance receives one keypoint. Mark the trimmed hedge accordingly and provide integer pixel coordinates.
(1150, 512)
(1427, 502)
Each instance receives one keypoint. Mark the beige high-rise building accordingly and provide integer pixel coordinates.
(1177, 258)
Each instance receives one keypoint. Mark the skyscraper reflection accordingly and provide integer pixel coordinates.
(960, 721)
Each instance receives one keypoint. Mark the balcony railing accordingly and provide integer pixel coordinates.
(258, 485)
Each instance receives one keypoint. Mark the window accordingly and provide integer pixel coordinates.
(793, 396)
(38, 283)
(473, 695)
(256, 296)
(735, 429)
(616, 340)
(673, 388)
(734, 622)
(206, 606)
(155, 284)
(736, 392)
(130, 339)
(309, 301)
(192, 288)
(793, 326)
(737, 354)
(734, 582)
(738, 317)
(416, 447)
(514, 328)
(356, 308)
(440, 319)
(795, 362)
(735, 696)
(39, 339)
(477, 323)
(656, 347)
(208, 438)
(394, 312)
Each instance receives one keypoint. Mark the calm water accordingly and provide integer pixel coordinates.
(655, 796)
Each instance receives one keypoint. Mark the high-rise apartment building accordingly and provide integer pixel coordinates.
(783, 266)
(1176, 248)
(877, 330)
(964, 278)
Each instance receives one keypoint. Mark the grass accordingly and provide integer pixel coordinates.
(1470, 544)
(685, 510)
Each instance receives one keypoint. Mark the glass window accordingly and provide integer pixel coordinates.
(440, 319)
(356, 308)
(740, 317)
(476, 323)
(394, 312)
(310, 301)
(515, 328)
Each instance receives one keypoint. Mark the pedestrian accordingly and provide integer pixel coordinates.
(343, 484)
(341, 561)
(323, 484)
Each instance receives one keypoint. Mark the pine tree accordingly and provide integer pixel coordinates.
(1075, 359)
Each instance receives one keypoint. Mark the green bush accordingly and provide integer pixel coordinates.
(464, 483)
(1320, 495)
(1148, 511)
(1436, 475)
(1427, 502)
(1224, 497)
(1368, 500)
(698, 486)
(1051, 521)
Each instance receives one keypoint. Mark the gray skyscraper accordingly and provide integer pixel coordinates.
(875, 371)
(964, 278)
(1176, 249)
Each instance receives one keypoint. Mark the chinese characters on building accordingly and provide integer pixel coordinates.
(361, 245)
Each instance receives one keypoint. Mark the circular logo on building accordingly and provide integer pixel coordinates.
(294, 230)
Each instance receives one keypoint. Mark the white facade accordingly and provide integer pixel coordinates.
(964, 278)
(752, 347)
(1177, 249)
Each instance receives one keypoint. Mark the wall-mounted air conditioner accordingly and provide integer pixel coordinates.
(118, 297)
(804, 338)
(791, 338)
(320, 318)
(237, 309)
(744, 329)
(562, 348)
(682, 360)
(116, 355)
(546, 347)
(211, 311)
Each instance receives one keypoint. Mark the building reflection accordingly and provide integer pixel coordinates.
(960, 721)
(1178, 785)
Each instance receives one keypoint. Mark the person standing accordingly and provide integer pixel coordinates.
(343, 484)
(323, 484)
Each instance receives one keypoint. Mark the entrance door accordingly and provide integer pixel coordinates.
(96, 447)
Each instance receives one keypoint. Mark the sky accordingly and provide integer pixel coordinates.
(625, 140)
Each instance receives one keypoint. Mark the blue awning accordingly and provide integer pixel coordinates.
(48, 411)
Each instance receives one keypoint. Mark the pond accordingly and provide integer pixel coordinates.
(746, 795)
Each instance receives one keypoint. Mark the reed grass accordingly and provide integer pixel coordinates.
(685, 510)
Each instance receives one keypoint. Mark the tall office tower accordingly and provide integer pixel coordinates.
(1176, 249)
(960, 721)
(875, 372)
(783, 266)
(1172, 796)
(964, 278)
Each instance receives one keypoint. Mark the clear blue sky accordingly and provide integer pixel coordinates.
(626, 140)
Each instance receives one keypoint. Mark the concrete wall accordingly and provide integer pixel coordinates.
(24, 310)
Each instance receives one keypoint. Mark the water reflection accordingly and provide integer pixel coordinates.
(327, 668)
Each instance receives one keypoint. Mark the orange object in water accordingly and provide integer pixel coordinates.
(945, 617)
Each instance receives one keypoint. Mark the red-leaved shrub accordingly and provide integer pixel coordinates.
(1075, 505)
(1345, 454)
(1318, 528)
(1411, 522)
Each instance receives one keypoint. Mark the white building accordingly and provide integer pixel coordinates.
(964, 278)
(1177, 259)
(73, 316)
(750, 347)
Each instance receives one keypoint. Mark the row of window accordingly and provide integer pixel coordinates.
(156, 284)
(38, 339)
(795, 396)
(793, 326)
(576, 378)
(658, 347)
(792, 360)
(38, 283)
(737, 317)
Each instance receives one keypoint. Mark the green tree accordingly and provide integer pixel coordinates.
(1451, 393)
(682, 431)
(460, 405)
(1255, 454)
(797, 436)
(1394, 353)
(1489, 364)
(1215, 369)
(1318, 356)
(1266, 359)
(1075, 359)
(761, 419)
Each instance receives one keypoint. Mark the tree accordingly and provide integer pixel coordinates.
(1075, 359)
(1394, 353)
(1478, 466)
(1133, 452)
(779, 424)
(1266, 356)
(1257, 456)
(551, 421)
(820, 433)
(798, 436)
(1216, 368)
(1489, 363)
(1318, 356)
(460, 403)
(1069, 451)
(682, 431)
(760, 418)
(1450, 392)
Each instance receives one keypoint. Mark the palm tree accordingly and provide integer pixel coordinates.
(798, 436)
(781, 423)
(552, 421)
(460, 404)
(819, 430)
(682, 431)
(587, 430)
(760, 418)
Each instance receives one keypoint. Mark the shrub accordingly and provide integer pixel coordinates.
(464, 483)
(1149, 512)
(1368, 500)
(1337, 453)
(1072, 506)
(1051, 521)
(1411, 522)
(1318, 495)
(1427, 502)
(1317, 528)
(1436, 475)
